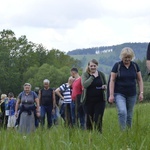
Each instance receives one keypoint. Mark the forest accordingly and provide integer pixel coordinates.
(23, 61)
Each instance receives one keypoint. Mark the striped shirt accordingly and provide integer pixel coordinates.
(66, 92)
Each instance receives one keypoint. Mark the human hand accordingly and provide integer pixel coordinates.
(104, 87)
(53, 111)
(141, 97)
(38, 114)
(16, 114)
(111, 99)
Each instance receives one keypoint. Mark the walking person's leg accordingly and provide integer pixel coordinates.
(98, 115)
(130, 106)
(81, 113)
(6, 122)
(68, 115)
(89, 109)
(120, 101)
(43, 111)
(62, 111)
(76, 113)
(72, 106)
(49, 115)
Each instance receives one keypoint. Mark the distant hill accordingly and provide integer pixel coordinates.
(107, 55)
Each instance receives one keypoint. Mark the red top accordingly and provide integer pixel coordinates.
(76, 88)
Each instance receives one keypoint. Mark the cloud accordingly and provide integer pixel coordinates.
(71, 24)
(126, 8)
(51, 14)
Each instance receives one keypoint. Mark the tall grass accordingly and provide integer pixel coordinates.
(62, 138)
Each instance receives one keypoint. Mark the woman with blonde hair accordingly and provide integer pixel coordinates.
(93, 96)
(122, 86)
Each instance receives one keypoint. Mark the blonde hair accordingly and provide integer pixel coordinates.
(93, 61)
(127, 51)
(3, 96)
(71, 79)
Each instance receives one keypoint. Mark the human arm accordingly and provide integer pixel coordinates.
(54, 102)
(39, 96)
(86, 79)
(17, 107)
(37, 107)
(58, 92)
(111, 87)
(140, 84)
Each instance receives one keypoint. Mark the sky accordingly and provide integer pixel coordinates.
(72, 24)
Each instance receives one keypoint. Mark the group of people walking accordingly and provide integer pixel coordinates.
(83, 97)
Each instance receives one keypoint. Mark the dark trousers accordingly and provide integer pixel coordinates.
(79, 113)
(66, 113)
(46, 110)
(94, 115)
(5, 122)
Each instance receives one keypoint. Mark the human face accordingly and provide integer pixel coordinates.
(127, 59)
(46, 85)
(73, 73)
(27, 88)
(92, 67)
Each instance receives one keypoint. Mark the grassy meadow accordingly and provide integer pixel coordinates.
(62, 138)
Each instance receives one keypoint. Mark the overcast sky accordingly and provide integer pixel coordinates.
(71, 24)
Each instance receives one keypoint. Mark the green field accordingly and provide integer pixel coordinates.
(61, 138)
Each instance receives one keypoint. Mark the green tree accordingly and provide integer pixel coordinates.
(22, 60)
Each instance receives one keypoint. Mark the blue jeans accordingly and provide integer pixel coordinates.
(46, 110)
(125, 105)
(66, 113)
(55, 116)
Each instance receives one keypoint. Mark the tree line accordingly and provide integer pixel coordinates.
(24, 61)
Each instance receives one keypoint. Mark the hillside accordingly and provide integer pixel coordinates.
(107, 55)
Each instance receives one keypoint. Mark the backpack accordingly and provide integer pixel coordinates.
(33, 94)
(118, 75)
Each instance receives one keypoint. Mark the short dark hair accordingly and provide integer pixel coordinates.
(74, 69)
(10, 94)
